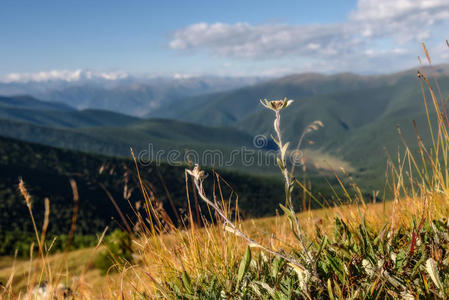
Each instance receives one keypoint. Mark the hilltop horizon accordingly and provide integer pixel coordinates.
(91, 75)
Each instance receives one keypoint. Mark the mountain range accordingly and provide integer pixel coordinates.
(360, 114)
(132, 95)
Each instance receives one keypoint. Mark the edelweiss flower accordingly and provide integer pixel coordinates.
(276, 105)
(196, 173)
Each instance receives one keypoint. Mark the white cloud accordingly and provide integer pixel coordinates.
(384, 52)
(62, 75)
(181, 76)
(243, 40)
(388, 30)
(65, 75)
(116, 75)
(403, 20)
(381, 10)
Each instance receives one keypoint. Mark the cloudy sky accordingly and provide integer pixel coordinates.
(51, 39)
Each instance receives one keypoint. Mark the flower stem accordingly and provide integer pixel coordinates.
(288, 188)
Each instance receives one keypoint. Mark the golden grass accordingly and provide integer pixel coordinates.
(202, 251)
(74, 270)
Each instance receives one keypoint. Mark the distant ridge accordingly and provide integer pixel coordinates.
(25, 101)
(229, 107)
(130, 95)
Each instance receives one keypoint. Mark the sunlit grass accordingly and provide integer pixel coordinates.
(198, 251)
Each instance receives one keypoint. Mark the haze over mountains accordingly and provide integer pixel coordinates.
(118, 92)
(360, 114)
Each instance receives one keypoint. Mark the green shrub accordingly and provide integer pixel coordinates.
(117, 253)
(20, 242)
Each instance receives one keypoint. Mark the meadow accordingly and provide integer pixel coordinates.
(350, 248)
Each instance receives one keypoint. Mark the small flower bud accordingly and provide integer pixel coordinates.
(276, 105)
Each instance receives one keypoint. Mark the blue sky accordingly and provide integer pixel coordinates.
(219, 37)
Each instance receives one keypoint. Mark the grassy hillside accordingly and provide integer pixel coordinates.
(79, 262)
